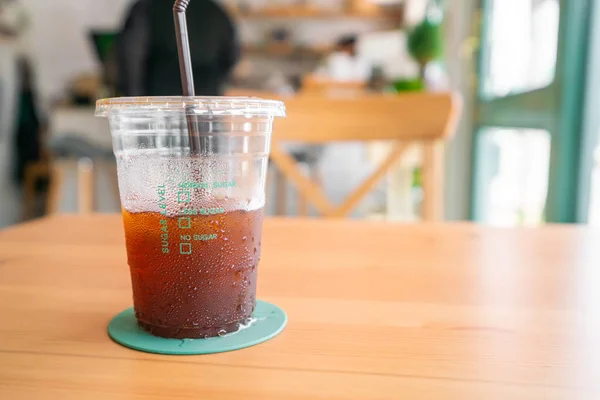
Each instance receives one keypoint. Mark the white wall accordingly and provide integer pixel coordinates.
(57, 41)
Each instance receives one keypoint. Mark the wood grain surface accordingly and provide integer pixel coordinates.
(376, 311)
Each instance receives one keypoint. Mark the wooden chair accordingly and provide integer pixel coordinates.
(86, 170)
(79, 145)
(425, 118)
(56, 172)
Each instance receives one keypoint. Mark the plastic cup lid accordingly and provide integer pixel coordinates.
(241, 106)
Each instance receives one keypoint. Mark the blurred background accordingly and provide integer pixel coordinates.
(522, 150)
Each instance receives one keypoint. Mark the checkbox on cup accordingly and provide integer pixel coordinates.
(184, 196)
(185, 248)
(184, 223)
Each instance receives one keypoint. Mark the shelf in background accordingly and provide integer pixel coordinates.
(286, 50)
(306, 12)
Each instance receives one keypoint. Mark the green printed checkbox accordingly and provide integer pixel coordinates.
(184, 196)
(185, 248)
(184, 223)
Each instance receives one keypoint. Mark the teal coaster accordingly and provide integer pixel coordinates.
(269, 322)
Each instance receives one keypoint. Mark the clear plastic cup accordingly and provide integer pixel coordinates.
(192, 207)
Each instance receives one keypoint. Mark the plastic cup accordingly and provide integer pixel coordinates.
(193, 219)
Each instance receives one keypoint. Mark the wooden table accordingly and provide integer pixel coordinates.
(376, 312)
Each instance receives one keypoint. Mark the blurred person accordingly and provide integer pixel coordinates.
(28, 141)
(147, 58)
(344, 64)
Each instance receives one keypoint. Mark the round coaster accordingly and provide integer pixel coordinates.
(269, 321)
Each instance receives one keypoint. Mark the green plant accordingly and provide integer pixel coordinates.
(425, 40)
(408, 85)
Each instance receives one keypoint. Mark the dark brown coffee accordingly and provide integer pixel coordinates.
(193, 276)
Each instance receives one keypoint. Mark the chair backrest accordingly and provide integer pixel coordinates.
(425, 118)
(323, 119)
